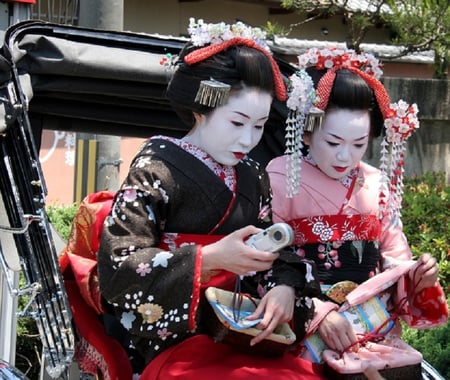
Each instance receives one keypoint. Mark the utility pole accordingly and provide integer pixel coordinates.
(98, 156)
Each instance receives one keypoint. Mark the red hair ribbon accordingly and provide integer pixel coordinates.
(210, 50)
(326, 84)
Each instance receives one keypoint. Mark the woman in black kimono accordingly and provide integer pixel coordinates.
(179, 221)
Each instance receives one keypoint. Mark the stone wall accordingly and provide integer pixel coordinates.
(429, 148)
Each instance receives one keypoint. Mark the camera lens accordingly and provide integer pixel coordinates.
(277, 235)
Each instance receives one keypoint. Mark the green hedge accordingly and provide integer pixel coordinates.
(426, 217)
(426, 220)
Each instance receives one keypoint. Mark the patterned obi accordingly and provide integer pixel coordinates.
(344, 247)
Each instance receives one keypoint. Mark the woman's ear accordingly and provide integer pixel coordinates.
(307, 138)
(198, 117)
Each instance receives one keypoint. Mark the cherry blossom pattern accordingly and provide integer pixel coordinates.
(143, 269)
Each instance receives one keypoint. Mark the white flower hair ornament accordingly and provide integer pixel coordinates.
(400, 123)
(203, 34)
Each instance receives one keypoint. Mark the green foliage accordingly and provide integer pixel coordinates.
(61, 217)
(28, 348)
(426, 217)
(423, 25)
(419, 25)
(28, 345)
(359, 20)
(433, 344)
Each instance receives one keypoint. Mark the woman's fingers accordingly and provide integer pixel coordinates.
(371, 372)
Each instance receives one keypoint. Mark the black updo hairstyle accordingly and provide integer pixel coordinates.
(352, 92)
(239, 66)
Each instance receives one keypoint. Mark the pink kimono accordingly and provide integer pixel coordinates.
(338, 224)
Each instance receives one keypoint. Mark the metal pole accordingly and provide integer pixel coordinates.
(108, 15)
(9, 279)
(8, 318)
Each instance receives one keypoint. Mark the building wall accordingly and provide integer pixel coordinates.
(58, 165)
(171, 17)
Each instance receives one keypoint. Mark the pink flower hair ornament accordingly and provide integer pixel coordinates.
(400, 123)
(333, 57)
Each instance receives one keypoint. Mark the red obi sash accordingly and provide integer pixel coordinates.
(325, 228)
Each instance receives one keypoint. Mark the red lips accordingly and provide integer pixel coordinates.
(340, 169)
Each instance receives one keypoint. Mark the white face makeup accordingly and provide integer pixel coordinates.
(231, 131)
(340, 144)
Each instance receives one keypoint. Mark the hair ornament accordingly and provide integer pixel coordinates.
(400, 123)
(333, 57)
(203, 34)
(168, 61)
(212, 93)
(302, 116)
(215, 38)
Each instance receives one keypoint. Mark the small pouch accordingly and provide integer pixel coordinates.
(228, 325)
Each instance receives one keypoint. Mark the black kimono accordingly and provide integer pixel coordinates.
(174, 199)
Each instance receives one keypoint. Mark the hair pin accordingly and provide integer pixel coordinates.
(314, 119)
(212, 93)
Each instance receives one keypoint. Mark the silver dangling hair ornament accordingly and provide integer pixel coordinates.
(212, 93)
(302, 116)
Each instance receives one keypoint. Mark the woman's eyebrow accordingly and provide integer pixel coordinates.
(341, 138)
(248, 117)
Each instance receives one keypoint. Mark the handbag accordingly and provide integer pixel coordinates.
(227, 324)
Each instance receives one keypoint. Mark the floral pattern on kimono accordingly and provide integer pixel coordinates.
(151, 281)
(339, 225)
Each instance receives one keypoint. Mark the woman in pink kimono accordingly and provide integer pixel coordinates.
(346, 213)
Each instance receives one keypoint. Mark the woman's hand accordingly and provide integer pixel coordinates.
(276, 307)
(232, 254)
(371, 372)
(425, 273)
(337, 332)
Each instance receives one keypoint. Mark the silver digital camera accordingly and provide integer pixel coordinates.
(273, 238)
